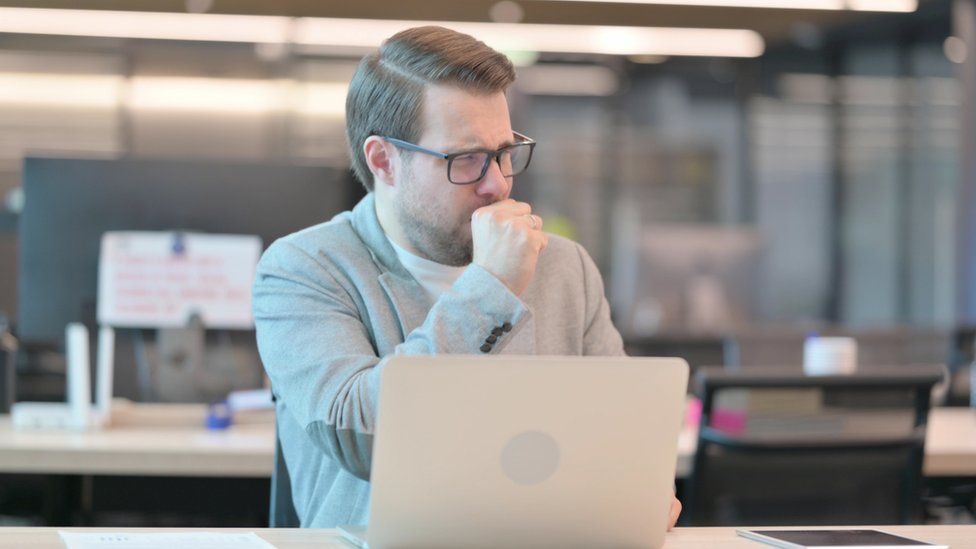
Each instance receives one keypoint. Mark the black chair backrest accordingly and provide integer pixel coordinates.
(8, 367)
(962, 350)
(697, 351)
(779, 448)
(962, 354)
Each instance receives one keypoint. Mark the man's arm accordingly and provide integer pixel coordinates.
(600, 336)
(319, 352)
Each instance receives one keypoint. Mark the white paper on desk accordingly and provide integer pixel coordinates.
(190, 540)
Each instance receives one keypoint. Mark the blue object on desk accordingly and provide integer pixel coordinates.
(179, 244)
(219, 416)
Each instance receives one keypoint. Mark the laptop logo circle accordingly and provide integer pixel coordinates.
(530, 458)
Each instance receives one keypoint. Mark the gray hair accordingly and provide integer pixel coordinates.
(386, 92)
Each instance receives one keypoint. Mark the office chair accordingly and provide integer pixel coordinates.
(779, 448)
(748, 350)
(962, 354)
(703, 350)
(282, 509)
(8, 367)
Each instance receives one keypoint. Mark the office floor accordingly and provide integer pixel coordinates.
(25, 500)
(76, 500)
(951, 500)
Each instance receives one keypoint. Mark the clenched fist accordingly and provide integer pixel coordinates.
(507, 239)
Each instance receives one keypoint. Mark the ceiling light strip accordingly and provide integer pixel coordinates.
(548, 38)
(368, 33)
(901, 6)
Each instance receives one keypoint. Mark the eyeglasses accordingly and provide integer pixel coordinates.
(466, 167)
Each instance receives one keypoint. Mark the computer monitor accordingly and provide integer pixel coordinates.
(71, 202)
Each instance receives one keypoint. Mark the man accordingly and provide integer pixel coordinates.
(436, 259)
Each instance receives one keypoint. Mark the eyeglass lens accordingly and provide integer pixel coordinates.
(471, 167)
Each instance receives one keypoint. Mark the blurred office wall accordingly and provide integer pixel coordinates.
(839, 147)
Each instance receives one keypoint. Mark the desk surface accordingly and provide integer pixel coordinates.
(957, 537)
(168, 440)
(146, 439)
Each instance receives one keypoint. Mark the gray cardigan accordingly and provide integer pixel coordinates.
(332, 303)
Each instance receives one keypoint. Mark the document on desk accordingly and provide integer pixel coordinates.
(188, 540)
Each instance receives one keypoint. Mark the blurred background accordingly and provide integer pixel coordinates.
(744, 172)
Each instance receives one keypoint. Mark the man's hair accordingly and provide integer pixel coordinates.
(386, 94)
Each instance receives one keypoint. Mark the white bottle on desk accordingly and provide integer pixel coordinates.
(829, 356)
(74, 414)
(79, 375)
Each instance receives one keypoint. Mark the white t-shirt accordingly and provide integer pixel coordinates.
(432, 276)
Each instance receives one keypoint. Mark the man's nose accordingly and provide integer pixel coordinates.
(494, 185)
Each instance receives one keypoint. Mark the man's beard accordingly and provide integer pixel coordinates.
(434, 233)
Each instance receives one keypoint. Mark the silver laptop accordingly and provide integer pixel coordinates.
(524, 452)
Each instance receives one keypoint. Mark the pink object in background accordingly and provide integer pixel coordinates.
(693, 412)
(725, 420)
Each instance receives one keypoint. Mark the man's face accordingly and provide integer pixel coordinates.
(434, 213)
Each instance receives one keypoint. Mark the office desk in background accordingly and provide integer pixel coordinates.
(146, 440)
(156, 466)
(957, 537)
(170, 440)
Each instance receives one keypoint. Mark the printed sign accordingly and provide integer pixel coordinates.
(161, 279)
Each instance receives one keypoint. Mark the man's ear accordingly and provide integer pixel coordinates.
(381, 157)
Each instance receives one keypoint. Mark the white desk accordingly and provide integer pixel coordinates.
(957, 537)
(146, 439)
(169, 440)
(950, 443)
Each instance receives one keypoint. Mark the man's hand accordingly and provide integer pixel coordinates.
(674, 513)
(507, 240)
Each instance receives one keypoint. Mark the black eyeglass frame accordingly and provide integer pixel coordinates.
(492, 155)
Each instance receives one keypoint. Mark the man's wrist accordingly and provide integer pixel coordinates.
(496, 277)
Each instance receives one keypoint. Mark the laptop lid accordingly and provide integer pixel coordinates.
(525, 451)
